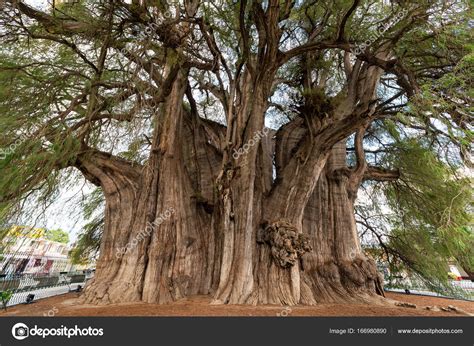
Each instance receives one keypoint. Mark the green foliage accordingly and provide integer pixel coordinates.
(446, 105)
(57, 235)
(87, 245)
(32, 146)
(431, 224)
(5, 297)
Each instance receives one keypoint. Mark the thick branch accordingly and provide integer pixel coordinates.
(102, 169)
(381, 174)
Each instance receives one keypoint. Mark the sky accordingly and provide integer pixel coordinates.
(37, 3)
(64, 213)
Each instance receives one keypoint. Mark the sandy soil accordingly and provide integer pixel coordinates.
(67, 305)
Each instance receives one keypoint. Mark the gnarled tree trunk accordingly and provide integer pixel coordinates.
(171, 234)
(158, 242)
(336, 270)
(321, 260)
(240, 195)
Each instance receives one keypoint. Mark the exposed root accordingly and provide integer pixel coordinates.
(354, 281)
(109, 293)
(405, 305)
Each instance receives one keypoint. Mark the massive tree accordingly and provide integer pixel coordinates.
(229, 140)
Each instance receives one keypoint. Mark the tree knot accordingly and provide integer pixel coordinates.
(286, 243)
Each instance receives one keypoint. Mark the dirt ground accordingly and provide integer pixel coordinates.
(67, 305)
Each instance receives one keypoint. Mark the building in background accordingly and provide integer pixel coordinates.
(25, 250)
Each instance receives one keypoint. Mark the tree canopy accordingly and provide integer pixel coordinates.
(57, 235)
(392, 79)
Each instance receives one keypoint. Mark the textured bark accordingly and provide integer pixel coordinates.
(170, 246)
(326, 261)
(219, 241)
(337, 270)
(240, 197)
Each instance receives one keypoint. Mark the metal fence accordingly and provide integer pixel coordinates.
(41, 285)
(37, 267)
(463, 289)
